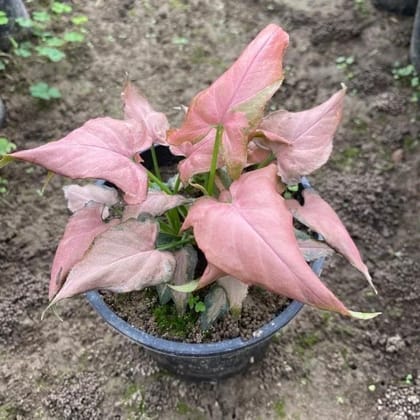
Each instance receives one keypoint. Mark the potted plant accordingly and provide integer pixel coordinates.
(235, 195)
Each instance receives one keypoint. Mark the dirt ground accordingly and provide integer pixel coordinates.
(322, 366)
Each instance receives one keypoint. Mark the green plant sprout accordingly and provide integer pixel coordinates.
(345, 63)
(48, 40)
(4, 20)
(6, 147)
(42, 90)
(408, 76)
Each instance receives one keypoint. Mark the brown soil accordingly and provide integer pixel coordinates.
(323, 366)
(139, 310)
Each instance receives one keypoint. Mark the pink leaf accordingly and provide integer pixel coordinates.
(102, 148)
(156, 203)
(121, 259)
(236, 101)
(78, 196)
(257, 154)
(210, 275)
(81, 230)
(302, 141)
(136, 107)
(318, 215)
(255, 242)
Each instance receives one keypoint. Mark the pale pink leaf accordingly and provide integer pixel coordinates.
(236, 291)
(235, 101)
(210, 275)
(137, 107)
(255, 242)
(257, 154)
(156, 203)
(102, 148)
(318, 215)
(78, 196)
(81, 230)
(302, 141)
(121, 259)
(186, 261)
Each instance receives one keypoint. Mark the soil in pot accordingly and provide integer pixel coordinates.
(142, 310)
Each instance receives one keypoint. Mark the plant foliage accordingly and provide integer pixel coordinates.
(244, 169)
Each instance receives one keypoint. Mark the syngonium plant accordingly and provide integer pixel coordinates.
(137, 231)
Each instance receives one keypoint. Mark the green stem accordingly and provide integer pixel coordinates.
(155, 162)
(177, 184)
(159, 182)
(175, 244)
(214, 158)
(266, 161)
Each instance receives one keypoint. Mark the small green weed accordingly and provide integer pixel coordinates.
(4, 20)
(345, 63)
(53, 31)
(408, 76)
(134, 400)
(361, 7)
(408, 379)
(195, 304)
(279, 409)
(306, 341)
(346, 158)
(168, 320)
(42, 90)
(6, 146)
(182, 408)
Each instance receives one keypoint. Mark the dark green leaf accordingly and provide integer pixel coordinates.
(216, 303)
(4, 20)
(164, 293)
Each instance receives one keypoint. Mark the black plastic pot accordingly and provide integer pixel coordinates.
(205, 362)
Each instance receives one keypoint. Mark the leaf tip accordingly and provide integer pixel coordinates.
(185, 288)
(5, 160)
(364, 315)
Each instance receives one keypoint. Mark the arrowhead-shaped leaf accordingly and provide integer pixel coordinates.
(78, 196)
(252, 239)
(302, 141)
(137, 108)
(156, 203)
(121, 259)
(83, 227)
(102, 148)
(318, 215)
(235, 101)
